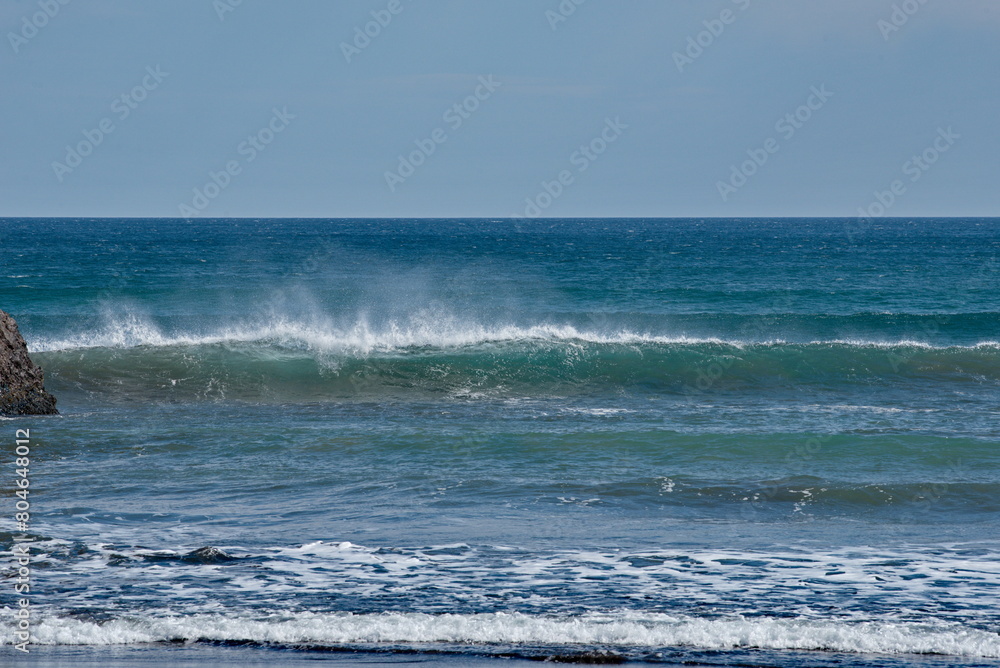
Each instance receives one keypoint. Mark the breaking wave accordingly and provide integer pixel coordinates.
(624, 631)
(287, 359)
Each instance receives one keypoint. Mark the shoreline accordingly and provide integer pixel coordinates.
(201, 654)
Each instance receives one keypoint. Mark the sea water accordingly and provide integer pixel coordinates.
(716, 441)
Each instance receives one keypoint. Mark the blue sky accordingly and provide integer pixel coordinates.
(593, 115)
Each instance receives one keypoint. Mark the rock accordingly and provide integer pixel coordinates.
(21, 382)
(207, 555)
(595, 657)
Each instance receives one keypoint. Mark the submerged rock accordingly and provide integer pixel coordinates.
(21, 383)
(207, 555)
(595, 657)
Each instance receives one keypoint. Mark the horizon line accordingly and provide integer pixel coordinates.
(499, 219)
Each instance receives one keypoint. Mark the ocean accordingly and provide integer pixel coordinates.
(676, 441)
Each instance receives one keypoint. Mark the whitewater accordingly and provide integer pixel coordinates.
(461, 439)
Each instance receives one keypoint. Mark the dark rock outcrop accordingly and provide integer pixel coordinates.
(21, 382)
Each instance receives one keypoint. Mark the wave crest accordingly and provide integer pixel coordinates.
(618, 630)
(435, 354)
(424, 330)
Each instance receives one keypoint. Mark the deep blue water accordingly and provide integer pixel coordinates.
(660, 437)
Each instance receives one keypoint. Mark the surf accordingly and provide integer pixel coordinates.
(433, 355)
(625, 631)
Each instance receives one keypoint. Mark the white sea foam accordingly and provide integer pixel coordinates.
(772, 600)
(360, 337)
(597, 412)
(889, 587)
(422, 330)
(621, 629)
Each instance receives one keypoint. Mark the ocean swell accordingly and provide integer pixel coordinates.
(287, 359)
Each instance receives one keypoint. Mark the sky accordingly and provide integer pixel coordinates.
(499, 108)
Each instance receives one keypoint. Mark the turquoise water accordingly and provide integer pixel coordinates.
(721, 441)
